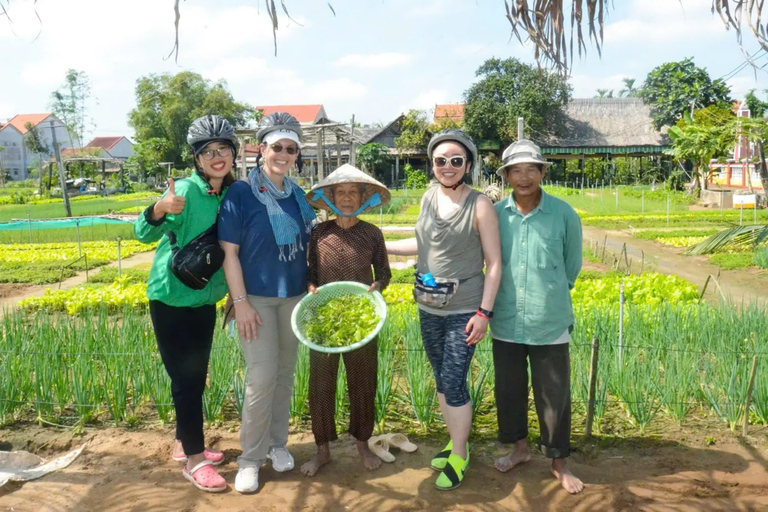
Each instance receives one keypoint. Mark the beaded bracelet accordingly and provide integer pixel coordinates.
(241, 298)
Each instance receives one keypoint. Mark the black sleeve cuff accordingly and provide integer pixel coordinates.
(148, 216)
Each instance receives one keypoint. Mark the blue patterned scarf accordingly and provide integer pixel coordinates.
(286, 230)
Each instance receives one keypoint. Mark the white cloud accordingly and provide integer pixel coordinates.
(236, 69)
(374, 61)
(741, 85)
(427, 100)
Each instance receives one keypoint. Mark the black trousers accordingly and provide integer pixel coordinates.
(551, 380)
(184, 338)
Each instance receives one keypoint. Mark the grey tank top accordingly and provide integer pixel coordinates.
(451, 248)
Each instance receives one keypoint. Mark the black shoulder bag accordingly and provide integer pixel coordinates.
(196, 263)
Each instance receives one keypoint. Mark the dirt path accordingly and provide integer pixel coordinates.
(130, 471)
(17, 292)
(739, 285)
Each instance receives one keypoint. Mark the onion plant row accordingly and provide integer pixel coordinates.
(673, 360)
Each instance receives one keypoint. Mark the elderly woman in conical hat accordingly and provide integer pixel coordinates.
(345, 248)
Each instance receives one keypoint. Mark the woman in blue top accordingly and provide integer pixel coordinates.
(264, 229)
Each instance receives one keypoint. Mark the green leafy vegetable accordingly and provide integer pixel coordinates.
(342, 321)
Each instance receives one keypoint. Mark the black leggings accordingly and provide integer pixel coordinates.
(184, 338)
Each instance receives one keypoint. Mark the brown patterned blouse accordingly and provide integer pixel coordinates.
(352, 254)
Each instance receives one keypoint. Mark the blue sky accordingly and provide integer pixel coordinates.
(374, 59)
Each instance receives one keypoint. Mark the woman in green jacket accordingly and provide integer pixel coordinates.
(183, 318)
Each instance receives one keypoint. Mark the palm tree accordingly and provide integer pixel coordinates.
(543, 22)
(604, 93)
(740, 236)
(629, 90)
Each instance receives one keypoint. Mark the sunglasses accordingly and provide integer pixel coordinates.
(208, 154)
(457, 162)
(278, 148)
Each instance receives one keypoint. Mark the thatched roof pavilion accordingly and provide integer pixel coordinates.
(605, 126)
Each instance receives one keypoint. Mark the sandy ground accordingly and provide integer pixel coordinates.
(123, 470)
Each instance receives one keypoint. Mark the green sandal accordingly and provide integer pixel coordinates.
(441, 459)
(453, 474)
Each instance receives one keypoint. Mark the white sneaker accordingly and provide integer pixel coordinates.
(247, 480)
(281, 458)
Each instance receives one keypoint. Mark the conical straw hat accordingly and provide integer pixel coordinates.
(347, 174)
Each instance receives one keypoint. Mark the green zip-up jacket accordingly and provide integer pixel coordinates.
(200, 212)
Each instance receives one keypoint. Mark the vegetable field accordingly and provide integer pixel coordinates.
(677, 357)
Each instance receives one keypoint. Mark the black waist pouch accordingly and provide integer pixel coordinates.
(196, 263)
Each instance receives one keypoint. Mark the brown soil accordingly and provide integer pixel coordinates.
(131, 471)
(12, 289)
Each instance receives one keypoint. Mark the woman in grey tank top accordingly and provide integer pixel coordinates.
(456, 236)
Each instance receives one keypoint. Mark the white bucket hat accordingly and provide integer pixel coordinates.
(375, 194)
(523, 151)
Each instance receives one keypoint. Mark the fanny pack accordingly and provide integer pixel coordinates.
(437, 296)
(196, 263)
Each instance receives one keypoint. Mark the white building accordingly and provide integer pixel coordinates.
(119, 148)
(12, 157)
(14, 133)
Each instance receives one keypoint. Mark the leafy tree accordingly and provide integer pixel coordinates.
(415, 178)
(372, 156)
(68, 103)
(2, 169)
(673, 87)
(415, 132)
(166, 105)
(509, 89)
(446, 124)
(35, 143)
(757, 107)
(147, 156)
(629, 90)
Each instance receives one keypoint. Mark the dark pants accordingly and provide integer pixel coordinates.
(361, 366)
(445, 343)
(184, 339)
(551, 379)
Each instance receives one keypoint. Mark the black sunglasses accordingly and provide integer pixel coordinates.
(278, 148)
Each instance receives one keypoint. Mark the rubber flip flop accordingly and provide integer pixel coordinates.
(204, 477)
(401, 442)
(453, 473)
(380, 448)
(441, 459)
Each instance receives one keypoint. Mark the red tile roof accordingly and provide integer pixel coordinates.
(104, 142)
(303, 113)
(20, 121)
(453, 112)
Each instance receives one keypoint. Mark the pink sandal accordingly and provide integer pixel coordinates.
(215, 457)
(204, 477)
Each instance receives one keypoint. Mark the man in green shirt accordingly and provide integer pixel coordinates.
(541, 246)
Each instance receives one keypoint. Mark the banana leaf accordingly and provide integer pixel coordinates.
(738, 236)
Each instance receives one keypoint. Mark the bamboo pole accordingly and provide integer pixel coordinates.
(592, 386)
(748, 401)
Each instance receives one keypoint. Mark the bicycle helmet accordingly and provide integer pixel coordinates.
(454, 135)
(278, 121)
(210, 128)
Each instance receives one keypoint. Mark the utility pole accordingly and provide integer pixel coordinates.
(352, 152)
(62, 177)
(520, 128)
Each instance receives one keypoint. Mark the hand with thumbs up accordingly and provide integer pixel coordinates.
(169, 204)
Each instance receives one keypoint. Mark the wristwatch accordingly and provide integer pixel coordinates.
(485, 313)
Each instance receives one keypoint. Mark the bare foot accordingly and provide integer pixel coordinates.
(569, 482)
(369, 459)
(519, 455)
(321, 458)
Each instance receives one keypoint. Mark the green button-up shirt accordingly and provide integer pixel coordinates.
(541, 258)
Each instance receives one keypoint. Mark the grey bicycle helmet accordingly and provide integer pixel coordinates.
(278, 121)
(454, 136)
(210, 128)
